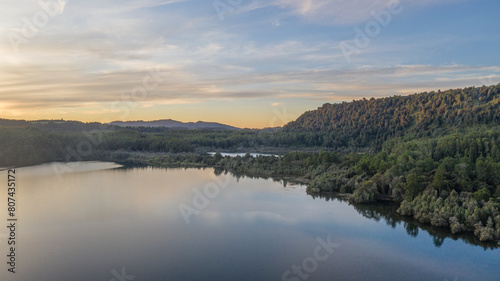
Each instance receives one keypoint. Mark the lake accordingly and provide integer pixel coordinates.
(100, 221)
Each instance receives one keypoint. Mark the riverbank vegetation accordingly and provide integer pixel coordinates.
(437, 154)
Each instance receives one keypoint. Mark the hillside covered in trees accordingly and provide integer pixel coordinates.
(369, 123)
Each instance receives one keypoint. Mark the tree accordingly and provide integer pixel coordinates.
(413, 185)
(217, 157)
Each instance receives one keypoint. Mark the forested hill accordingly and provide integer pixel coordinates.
(373, 121)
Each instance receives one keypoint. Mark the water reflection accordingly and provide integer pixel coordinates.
(86, 223)
(387, 212)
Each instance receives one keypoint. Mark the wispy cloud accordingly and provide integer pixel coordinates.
(277, 51)
(345, 11)
(35, 86)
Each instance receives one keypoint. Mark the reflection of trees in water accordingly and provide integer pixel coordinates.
(238, 175)
(387, 212)
(411, 229)
(219, 171)
(384, 211)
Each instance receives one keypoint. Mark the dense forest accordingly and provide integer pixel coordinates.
(369, 123)
(437, 154)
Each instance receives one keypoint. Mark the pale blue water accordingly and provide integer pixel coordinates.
(95, 218)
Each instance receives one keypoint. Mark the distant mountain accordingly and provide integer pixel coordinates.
(169, 123)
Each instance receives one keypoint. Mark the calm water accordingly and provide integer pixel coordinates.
(94, 221)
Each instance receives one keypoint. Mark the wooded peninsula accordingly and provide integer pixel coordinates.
(435, 153)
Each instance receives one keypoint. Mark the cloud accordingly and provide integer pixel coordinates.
(340, 11)
(345, 11)
(95, 53)
(34, 86)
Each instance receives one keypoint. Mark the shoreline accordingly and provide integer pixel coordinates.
(155, 160)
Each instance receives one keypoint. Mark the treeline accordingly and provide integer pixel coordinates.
(158, 140)
(40, 142)
(21, 146)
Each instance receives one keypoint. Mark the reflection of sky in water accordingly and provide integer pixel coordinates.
(85, 223)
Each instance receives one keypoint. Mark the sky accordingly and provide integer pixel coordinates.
(246, 63)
